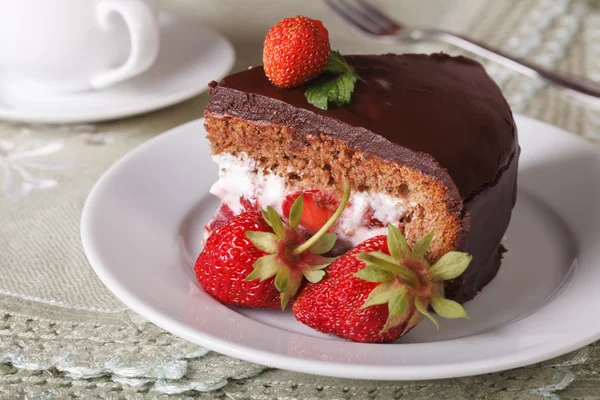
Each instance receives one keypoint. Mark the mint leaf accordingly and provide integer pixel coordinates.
(337, 90)
(317, 96)
(337, 64)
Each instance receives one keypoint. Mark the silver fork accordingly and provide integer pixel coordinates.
(371, 22)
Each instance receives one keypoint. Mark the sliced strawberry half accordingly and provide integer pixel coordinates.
(318, 208)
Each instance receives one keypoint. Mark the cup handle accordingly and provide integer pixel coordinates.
(143, 33)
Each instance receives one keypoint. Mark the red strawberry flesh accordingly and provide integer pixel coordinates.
(331, 305)
(223, 214)
(318, 208)
(227, 260)
(296, 50)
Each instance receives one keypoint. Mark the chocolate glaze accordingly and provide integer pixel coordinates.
(490, 214)
(438, 114)
(425, 111)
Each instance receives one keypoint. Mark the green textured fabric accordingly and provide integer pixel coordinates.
(63, 335)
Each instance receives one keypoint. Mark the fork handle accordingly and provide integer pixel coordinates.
(583, 88)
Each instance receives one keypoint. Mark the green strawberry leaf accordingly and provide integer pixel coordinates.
(422, 245)
(397, 243)
(423, 310)
(296, 212)
(282, 279)
(447, 308)
(387, 263)
(451, 265)
(265, 241)
(398, 303)
(397, 307)
(315, 261)
(285, 299)
(337, 90)
(293, 284)
(324, 244)
(265, 268)
(372, 273)
(380, 295)
(313, 275)
(380, 255)
(274, 220)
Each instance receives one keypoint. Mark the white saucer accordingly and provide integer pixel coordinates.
(190, 57)
(141, 229)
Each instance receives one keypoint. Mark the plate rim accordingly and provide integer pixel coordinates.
(525, 357)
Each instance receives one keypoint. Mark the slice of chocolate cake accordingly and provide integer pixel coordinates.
(427, 142)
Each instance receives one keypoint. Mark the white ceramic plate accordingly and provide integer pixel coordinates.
(141, 229)
(190, 57)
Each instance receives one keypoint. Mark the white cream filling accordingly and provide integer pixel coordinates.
(239, 177)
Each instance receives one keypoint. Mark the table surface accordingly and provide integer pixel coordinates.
(63, 334)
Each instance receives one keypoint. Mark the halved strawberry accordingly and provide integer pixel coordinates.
(318, 208)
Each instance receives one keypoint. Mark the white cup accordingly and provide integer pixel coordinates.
(61, 46)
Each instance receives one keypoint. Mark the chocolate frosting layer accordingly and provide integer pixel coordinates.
(490, 215)
(427, 111)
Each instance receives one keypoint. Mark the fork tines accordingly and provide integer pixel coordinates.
(364, 17)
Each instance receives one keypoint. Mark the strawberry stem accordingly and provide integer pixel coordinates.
(306, 245)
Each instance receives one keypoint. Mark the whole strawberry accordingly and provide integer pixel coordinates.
(257, 260)
(227, 260)
(380, 290)
(296, 50)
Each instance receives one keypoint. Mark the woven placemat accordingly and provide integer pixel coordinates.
(63, 335)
